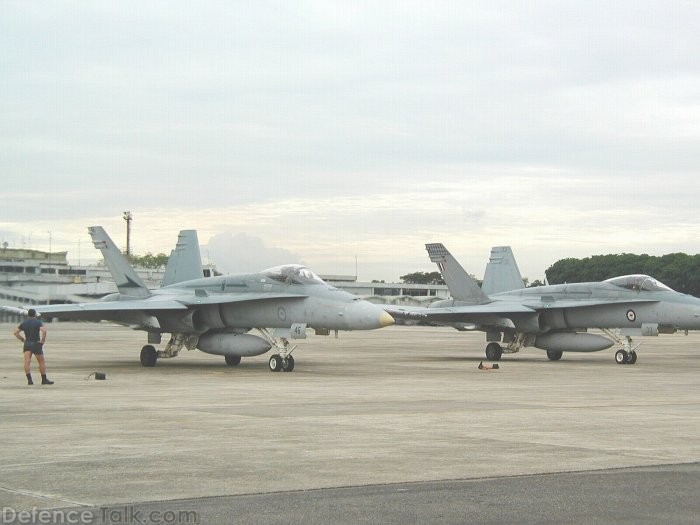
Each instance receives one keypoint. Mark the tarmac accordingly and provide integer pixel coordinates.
(396, 425)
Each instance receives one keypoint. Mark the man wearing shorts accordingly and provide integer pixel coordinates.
(34, 338)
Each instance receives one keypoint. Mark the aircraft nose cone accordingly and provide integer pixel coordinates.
(363, 315)
(385, 320)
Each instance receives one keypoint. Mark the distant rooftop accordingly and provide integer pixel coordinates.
(22, 254)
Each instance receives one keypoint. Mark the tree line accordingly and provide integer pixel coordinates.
(680, 271)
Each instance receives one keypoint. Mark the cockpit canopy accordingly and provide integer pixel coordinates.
(639, 282)
(293, 274)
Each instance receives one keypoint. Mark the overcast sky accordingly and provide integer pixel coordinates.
(353, 132)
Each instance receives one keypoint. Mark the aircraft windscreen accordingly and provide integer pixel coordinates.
(638, 282)
(293, 274)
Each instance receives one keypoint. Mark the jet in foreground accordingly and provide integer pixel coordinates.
(215, 314)
(556, 318)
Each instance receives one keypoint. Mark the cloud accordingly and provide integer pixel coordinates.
(243, 253)
(352, 133)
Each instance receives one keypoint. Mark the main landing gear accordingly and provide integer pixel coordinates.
(149, 354)
(494, 352)
(279, 363)
(625, 355)
(516, 342)
(232, 360)
(282, 361)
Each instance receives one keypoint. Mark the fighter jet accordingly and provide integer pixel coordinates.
(556, 318)
(215, 314)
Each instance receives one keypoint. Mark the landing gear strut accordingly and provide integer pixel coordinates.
(282, 361)
(626, 355)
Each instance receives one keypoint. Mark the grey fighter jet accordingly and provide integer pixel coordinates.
(556, 318)
(215, 314)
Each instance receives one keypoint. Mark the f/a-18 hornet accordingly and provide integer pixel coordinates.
(215, 314)
(556, 318)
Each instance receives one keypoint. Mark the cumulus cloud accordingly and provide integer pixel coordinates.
(243, 253)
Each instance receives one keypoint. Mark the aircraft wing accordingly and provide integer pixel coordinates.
(496, 313)
(195, 300)
(582, 303)
(100, 306)
(465, 313)
(467, 317)
(481, 313)
(152, 305)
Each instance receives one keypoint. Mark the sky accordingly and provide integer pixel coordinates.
(346, 135)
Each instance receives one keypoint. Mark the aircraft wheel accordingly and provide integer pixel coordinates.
(632, 359)
(621, 357)
(493, 352)
(149, 356)
(288, 364)
(554, 355)
(275, 363)
(233, 360)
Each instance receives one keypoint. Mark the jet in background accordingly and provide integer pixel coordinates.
(215, 314)
(556, 318)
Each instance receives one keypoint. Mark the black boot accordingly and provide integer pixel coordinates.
(29, 379)
(45, 380)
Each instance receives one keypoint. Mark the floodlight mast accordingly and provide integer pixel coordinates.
(128, 217)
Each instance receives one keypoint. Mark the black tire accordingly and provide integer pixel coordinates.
(288, 364)
(149, 356)
(632, 359)
(232, 360)
(554, 355)
(494, 352)
(621, 357)
(275, 363)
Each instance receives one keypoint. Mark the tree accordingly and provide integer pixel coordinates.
(149, 260)
(422, 278)
(680, 271)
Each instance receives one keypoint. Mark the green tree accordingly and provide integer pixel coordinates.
(422, 278)
(149, 260)
(680, 271)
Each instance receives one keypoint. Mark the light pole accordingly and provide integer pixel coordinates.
(127, 217)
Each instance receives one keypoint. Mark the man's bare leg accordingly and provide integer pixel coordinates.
(42, 369)
(28, 367)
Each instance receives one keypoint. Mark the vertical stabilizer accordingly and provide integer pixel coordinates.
(502, 273)
(462, 286)
(185, 262)
(127, 280)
